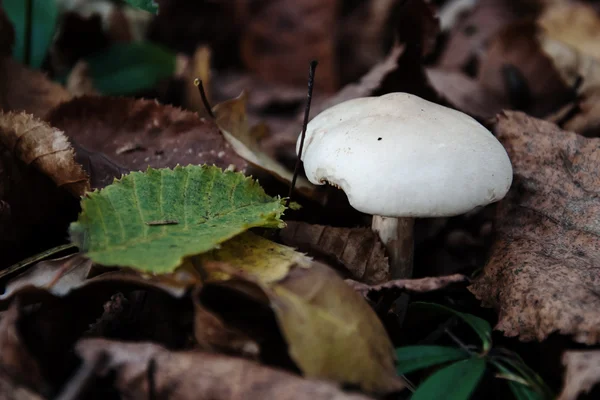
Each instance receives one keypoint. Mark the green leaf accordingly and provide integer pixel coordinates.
(455, 382)
(413, 358)
(480, 326)
(128, 68)
(152, 220)
(534, 389)
(148, 5)
(44, 16)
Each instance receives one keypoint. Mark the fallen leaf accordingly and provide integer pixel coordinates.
(515, 50)
(261, 258)
(422, 285)
(193, 375)
(540, 275)
(162, 136)
(58, 276)
(465, 93)
(358, 250)
(22, 89)
(283, 55)
(101, 169)
(150, 221)
(16, 359)
(230, 117)
(331, 332)
(213, 334)
(44, 147)
(583, 373)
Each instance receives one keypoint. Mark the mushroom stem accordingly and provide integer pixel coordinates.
(397, 237)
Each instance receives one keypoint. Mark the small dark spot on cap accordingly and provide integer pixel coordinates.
(378, 138)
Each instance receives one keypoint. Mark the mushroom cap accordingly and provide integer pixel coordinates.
(402, 156)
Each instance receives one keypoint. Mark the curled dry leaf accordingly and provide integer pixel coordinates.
(46, 148)
(231, 119)
(542, 275)
(142, 133)
(422, 285)
(16, 360)
(583, 373)
(22, 89)
(193, 375)
(359, 250)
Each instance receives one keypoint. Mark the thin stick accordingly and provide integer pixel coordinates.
(38, 257)
(198, 82)
(311, 81)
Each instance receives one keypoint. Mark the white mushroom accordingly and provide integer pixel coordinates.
(398, 157)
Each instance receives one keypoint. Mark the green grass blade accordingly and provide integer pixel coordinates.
(480, 326)
(413, 358)
(455, 382)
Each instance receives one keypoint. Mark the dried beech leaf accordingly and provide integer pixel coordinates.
(232, 120)
(193, 375)
(22, 89)
(583, 373)
(359, 250)
(16, 359)
(36, 143)
(422, 285)
(541, 275)
(142, 133)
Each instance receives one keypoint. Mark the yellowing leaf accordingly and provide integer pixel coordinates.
(231, 119)
(263, 259)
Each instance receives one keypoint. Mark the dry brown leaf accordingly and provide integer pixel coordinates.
(213, 334)
(515, 69)
(16, 360)
(466, 94)
(193, 375)
(142, 133)
(281, 38)
(359, 250)
(583, 373)
(22, 89)
(230, 117)
(422, 285)
(542, 275)
(46, 148)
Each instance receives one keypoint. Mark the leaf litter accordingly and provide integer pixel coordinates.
(272, 318)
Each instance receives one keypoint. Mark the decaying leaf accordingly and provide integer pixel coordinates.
(199, 206)
(16, 359)
(331, 332)
(282, 55)
(359, 250)
(261, 258)
(22, 89)
(58, 276)
(541, 275)
(583, 373)
(231, 119)
(422, 285)
(46, 148)
(193, 375)
(141, 133)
